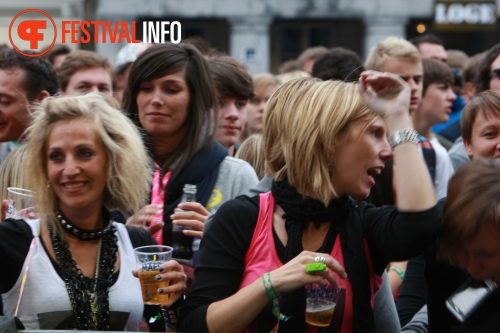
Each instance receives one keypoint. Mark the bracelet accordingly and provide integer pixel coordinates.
(266, 280)
(171, 314)
(398, 271)
(402, 136)
(268, 286)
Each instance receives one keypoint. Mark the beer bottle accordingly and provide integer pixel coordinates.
(182, 244)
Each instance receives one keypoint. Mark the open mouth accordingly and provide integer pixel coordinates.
(374, 171)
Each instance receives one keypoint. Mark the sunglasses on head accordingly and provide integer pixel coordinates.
(495, 73)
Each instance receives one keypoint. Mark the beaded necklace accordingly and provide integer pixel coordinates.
(88, 296)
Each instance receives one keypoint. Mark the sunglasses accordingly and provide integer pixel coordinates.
(495, 73)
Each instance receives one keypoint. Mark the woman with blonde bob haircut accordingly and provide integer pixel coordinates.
(82, 160)
(309, 138)
(323, 142)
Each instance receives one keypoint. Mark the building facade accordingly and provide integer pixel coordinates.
(264, 33)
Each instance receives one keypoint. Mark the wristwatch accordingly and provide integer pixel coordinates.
(403, 135)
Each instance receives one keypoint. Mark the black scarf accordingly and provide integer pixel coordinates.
(298, 212)
(202, 171)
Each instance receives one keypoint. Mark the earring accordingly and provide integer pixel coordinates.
(330, 167)
(48, 183)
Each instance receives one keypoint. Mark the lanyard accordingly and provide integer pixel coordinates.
(157, 198)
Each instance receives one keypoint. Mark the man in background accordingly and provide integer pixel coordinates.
(24, 81)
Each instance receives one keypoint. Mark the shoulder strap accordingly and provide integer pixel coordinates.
(139, 236)
(429, 155)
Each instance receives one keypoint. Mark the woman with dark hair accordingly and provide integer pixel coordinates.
(171, 97)
(488, 73)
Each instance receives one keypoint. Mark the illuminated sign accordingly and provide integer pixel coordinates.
(465, 15)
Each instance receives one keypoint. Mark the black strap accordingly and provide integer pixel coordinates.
(139, 236)
(429, 156)
(202, 171)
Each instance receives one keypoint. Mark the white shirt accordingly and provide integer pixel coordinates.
(444, 169)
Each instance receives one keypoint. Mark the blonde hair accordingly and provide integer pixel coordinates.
(260, 83)
(264, 80)
(391, 47)
(252, 151)
(12, 171)
(129, 170)
(301, 122)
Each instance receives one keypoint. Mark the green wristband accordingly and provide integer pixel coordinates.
(398, 271)
(266, 280)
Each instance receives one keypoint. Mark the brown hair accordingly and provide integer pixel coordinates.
(231, 78)
(471, 66)
(486, 103)
(483, 69)
(56, 50)
(436, 71)
(456, 58)
(79, 60)
(472, 202)
(164, 59)
(311, 53)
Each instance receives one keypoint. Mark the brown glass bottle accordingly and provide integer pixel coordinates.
(182, 244)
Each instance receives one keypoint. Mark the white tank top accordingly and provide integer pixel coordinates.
(45, 302)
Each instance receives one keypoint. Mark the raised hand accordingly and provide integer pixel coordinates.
(146, 219)
(385, 93)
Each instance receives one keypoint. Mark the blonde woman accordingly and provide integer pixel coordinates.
(264, 85)
(323, 143)
(83, 157)
(12, 174)
(252, 151)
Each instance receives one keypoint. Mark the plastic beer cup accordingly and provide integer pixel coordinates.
(149, 260)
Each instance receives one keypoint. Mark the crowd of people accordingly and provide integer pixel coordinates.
(383, 170)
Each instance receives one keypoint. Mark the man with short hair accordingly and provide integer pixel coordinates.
(123, 63)
(338, 64)
(234, 87)
(309, 56)
(435, 108)
(430, 46)
(398, 56)
(23, 81)
(85, 71)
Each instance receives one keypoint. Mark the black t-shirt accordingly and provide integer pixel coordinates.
(390, 235)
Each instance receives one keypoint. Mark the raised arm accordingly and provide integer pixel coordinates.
(389, 96)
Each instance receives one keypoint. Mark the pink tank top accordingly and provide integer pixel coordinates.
(262, 257)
